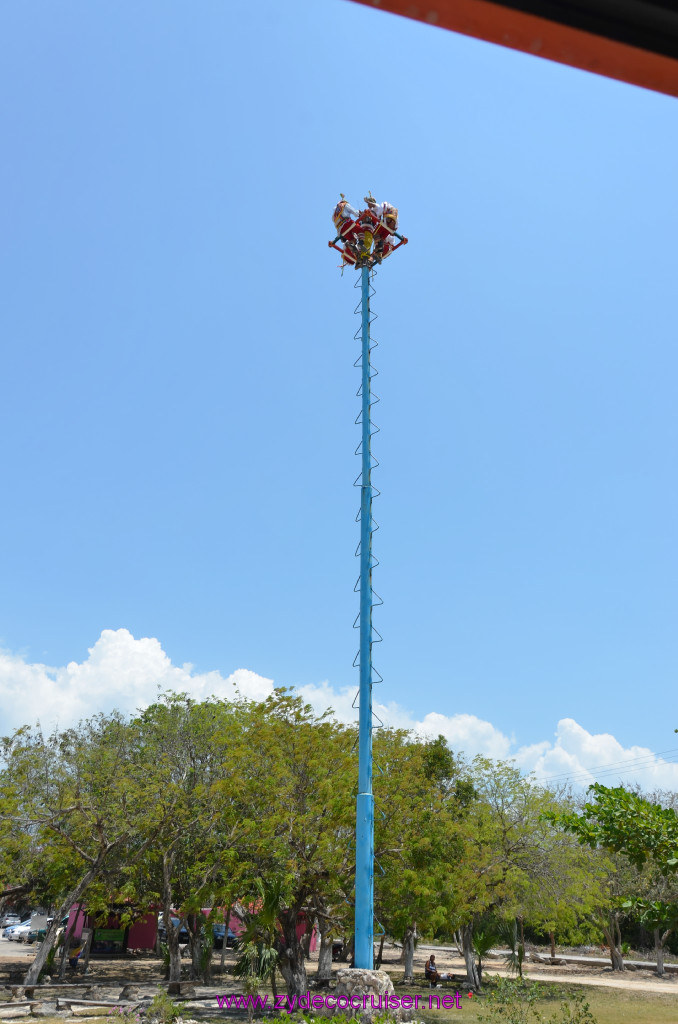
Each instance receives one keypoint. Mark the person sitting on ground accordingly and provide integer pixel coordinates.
(431, 972)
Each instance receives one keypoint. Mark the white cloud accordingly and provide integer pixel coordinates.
(119, 672)
(586, 757)
(123, 672)
(462, 732)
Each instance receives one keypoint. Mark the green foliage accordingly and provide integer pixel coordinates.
(512, 1002)
(208, 804)
(255, 963)
(120, 1015)
(165, 955)
(515, 1002)
(484, 938)
(163, 1009)
(416, 794)
(627, 823)
(653, 913)
(516, 954)
(311, 1017)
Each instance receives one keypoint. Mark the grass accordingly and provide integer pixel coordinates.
(609, 1006)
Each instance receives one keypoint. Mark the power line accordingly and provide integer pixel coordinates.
(623, 767)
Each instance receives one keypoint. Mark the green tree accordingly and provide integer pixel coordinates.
(627, 823)
(191, 752)
(654, 904)
(71, 808)
(298, 779)
(639, 832)
(512, 861)
(418, 792)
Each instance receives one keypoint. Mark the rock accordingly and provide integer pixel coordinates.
(98, 992)
(631, 967)
(181, 988)
(369, 992)
(43, 1010)
(131, 992)
(10, 1012)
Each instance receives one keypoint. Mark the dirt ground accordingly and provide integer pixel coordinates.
(147, 970)
(572, 974)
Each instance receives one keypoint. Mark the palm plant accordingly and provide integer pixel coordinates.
(483, 940)
(516, 954)
(262, 931)
(254, 965)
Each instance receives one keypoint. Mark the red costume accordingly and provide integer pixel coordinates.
(366, 237)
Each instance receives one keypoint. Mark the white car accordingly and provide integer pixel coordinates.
(19, 932)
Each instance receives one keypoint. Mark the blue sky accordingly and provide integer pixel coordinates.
(178, 391)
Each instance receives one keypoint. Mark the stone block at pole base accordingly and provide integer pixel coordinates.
(363, 994)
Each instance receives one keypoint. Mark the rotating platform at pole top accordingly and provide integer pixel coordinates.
(365, 237)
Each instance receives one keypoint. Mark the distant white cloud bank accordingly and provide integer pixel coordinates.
(125, 673)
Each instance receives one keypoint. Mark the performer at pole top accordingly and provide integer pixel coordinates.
(365, 237)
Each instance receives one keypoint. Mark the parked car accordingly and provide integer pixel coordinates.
(38, 930)
(162, 930)
(220, 932)
(10, 928)
(9, 919)
(18, 932)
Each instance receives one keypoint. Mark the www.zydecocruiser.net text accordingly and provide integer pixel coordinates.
(364, 1002)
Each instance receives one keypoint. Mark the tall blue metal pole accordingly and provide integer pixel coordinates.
(364, 867)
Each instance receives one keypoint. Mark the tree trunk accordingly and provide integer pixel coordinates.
(87, 950)
(469, 956)
(552, 940)
(206, 959)
(380, 954)
(195, 940)
(291, 954)
(68, 933)
(171, 930)
(324, 952)
(610, 931)
(47, 943)
(659, 943)
(305, 941)
(174, 954)
(408, 952)
(227, 920)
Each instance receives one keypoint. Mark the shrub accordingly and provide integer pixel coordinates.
(514, 1002)
(164, 1010)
